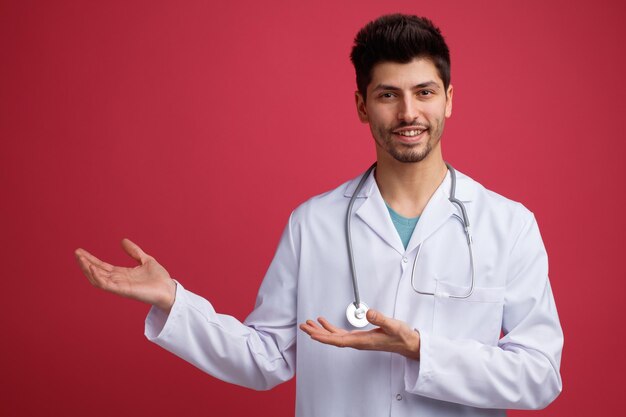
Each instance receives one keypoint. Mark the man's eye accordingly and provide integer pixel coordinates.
(425, 93)
(387, 95)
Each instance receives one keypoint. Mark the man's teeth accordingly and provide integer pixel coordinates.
(410, 132)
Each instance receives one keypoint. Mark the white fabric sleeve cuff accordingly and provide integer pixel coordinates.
(158, 322)
(417, 373)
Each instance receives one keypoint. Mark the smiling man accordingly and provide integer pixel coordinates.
(406, 117)
(463, 321)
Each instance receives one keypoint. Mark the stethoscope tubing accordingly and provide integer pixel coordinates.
(464, 219)
(355, 284)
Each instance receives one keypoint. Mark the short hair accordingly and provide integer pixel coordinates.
(398, 38)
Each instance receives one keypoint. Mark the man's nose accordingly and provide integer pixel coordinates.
(409, 110)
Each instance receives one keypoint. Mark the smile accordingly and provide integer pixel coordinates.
(410, 133)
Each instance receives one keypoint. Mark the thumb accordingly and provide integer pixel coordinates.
(135, 251)
(377, 318)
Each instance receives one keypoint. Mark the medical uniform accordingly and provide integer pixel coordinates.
(498, 349)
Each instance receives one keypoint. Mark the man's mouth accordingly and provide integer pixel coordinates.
(410, 133)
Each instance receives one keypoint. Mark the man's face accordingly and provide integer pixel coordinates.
(406, 108)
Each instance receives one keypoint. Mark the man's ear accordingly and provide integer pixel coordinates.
(360, 107)
(449, 101)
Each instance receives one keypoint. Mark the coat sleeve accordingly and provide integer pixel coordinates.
(258, 353)
(522, 371)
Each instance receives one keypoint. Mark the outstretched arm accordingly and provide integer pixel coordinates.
(148, 282)
(259, 353)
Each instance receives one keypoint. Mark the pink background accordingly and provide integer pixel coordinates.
(195, 128)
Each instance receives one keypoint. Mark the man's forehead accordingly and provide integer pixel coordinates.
(419, 71)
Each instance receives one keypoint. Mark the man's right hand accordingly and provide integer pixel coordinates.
(149, 282)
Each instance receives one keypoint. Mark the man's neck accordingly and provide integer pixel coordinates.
(407, 187)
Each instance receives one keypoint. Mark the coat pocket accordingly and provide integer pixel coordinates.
(478, 317)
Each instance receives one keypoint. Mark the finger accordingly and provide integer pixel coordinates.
(327, 338)
(308, 329)
(378, 319)
(92, 259)
(313, 324)
(135, 251)
(326, 325)
(311, 327)
(99, 277)
(84, 266)
(388, 325)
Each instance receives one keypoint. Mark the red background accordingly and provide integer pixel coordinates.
(195, 128)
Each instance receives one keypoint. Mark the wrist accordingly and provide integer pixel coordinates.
(414, 345)
(169, 296)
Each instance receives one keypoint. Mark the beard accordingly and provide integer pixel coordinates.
(408, 153)
(404, 152)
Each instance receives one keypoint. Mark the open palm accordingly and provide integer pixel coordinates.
(148, 282)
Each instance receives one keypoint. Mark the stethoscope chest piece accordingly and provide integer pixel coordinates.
(356, 316)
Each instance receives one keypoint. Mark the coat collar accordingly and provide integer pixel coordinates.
(439, 209)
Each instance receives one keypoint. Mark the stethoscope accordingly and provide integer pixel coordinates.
(357, 310)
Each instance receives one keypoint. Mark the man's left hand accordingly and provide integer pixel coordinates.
(391, 335)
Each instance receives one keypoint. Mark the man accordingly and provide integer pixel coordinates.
(460, 325)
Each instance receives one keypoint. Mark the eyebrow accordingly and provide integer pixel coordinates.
(427, 84)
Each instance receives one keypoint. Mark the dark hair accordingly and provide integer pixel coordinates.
(398, 38)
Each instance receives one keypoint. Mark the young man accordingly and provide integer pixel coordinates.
(462, 325)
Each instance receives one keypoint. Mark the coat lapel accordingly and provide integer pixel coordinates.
(374, 212)
(439, 209)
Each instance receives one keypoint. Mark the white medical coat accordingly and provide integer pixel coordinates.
(498, 349)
